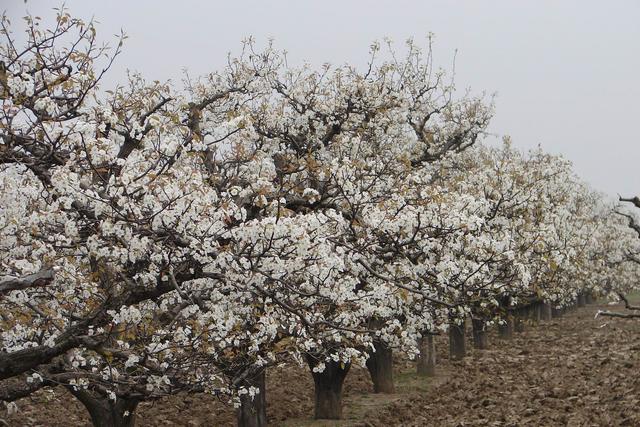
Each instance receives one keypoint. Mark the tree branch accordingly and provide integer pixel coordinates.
(41, 278)
(626, 303)
(635, 200)
(615, 314)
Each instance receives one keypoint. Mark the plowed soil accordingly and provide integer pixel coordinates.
(571, 371)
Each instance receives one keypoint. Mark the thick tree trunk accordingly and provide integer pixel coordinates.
(380, 366)
(545, 312)
(505, 330)
(536, 313)
(105, 412)
(427, 357)
(589, 299)
(581, 301)
(328, 388)
(480, 340)
(253, 411)
(457, 344)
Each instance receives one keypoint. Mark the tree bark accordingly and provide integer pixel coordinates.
(105, 412)
(457, 345)
(581, 301)
(40, 279)
(380, 366)
(536, 312)
(519, 318)
(328, 388)
(545, 311)
(505, 330)
(589, 299)
(616, 314)
(427, 356)
(480, 340)
(253, 411)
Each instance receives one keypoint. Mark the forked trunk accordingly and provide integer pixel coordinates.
(380, 366)
(457, 346)
(328, 388)
(480, 340)
(427, 356)
(106, 412)
(253, 411)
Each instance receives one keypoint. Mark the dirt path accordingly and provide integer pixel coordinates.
(574, 371)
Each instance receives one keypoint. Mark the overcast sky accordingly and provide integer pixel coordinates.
(566, 73)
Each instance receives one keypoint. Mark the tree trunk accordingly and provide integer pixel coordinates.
(589, 299)
(519, 320)
(253, 411)
(581, 302)
(427, 357)
(545, 312)
(480, 340)
(328, 388)
(505, 330)
(536, 313)
(556, 312)
(457, 345)
(105, 412)
(380, 366)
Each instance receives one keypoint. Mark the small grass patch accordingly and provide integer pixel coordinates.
(634, 297)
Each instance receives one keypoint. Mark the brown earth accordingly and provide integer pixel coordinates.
(571, 371)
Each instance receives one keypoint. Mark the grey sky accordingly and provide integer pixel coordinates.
(566, 72)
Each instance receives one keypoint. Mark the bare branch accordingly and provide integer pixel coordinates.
(635, 200)
(616, 314)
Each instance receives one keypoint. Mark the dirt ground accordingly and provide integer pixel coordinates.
(571, 371)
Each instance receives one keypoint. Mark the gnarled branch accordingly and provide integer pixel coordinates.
(41, 278)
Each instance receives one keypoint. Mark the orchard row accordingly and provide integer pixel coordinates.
(156, 241)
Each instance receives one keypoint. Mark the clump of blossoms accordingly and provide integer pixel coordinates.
(156, 241)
